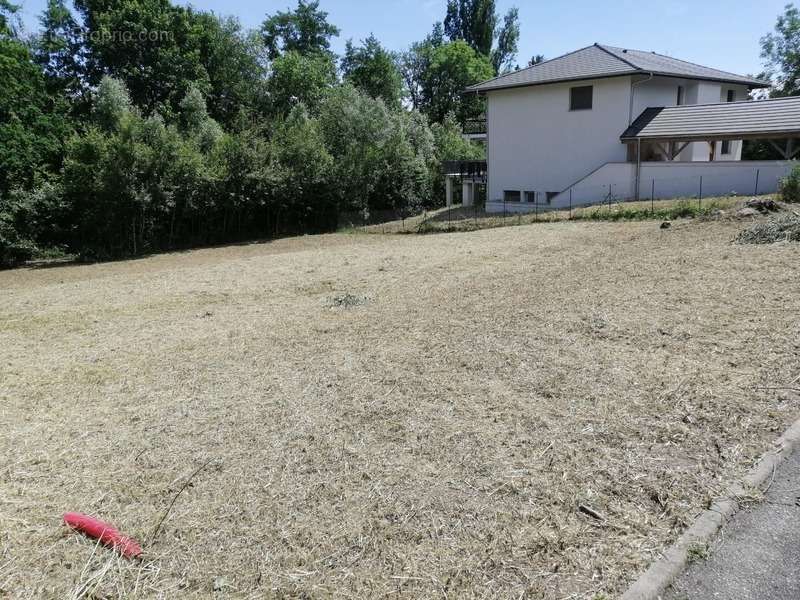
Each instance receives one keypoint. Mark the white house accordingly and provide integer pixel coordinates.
(593, 125)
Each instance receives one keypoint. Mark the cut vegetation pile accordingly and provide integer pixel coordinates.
(519, 412)
(780, 228)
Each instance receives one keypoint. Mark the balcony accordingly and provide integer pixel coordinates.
(465, 170)
(475, 129)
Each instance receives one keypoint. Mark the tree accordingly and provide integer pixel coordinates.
(374, 71)
(781, 51)
(300, 79)
(9, 19)
(33, 125)
(476, 22)
(473, 21)
(62, 54)
(305, 30)
(304, 170)
(453, 67)
(507, 42)
(535, 60)
(231, 59)
(415, 62)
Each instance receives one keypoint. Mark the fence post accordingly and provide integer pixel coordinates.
(609, 195)
(504, 209)
(570, 204)
(758, 171)
(536, 206)
(700, 194)
(653, 196)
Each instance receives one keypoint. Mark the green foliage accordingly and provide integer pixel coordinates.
(476, 23)
(9, 19)
(137, 125)
(790, 186)
(473, 21)
(63, 56)
(33, 126)
(300, 79)
(781, 50)
(452, 67)
(305, 30)
(415, 63)
(374, 71)
(381, 159)
(679, 210)
(112, 103)
(507, 42)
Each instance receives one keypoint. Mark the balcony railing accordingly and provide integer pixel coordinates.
(475, 127)
(465, 169)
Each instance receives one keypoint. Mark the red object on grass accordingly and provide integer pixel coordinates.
(105, 532)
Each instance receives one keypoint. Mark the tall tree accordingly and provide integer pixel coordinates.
(476, 22)
(781, 51)
(415, 62)
(153, 46)
(535, 60)
(507, 42)
(9, 19)
(304, 30)
(33, 126)
(473, 21)
(373, 70)
(63, 55)
(453, 67)
(300, 79)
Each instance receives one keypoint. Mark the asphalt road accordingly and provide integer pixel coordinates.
(757, 555)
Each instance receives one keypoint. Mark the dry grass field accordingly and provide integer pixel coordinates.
(389, 416)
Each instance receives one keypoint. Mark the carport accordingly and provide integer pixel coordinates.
(671, 129)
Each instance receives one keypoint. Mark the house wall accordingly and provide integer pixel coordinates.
(663, 91)
(536, 143)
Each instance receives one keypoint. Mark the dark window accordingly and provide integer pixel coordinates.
(530, 197)
(731, 95)
(580, 98)
(511, 196)
(681, 98)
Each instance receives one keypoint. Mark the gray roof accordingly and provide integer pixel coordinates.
(598, 61)
(775, 118)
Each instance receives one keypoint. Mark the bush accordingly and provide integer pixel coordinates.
(790, 186)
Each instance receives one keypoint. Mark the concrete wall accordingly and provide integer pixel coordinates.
(672, 180)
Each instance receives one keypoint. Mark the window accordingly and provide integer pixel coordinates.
(511, 196)
(580, 98)
(681, 96)
(530, 197)
(731, 95)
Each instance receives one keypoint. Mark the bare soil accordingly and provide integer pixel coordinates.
(416, 416)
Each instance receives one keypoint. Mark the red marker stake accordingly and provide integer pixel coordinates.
(105, 532)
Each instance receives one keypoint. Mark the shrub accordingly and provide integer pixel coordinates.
(790, 186)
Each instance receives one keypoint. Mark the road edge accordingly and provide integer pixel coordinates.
(660, 575)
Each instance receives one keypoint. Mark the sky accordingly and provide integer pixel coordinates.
(723, 34)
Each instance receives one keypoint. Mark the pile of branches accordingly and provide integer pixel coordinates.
(785, 227)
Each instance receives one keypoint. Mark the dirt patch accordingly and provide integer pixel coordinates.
(438, 440)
